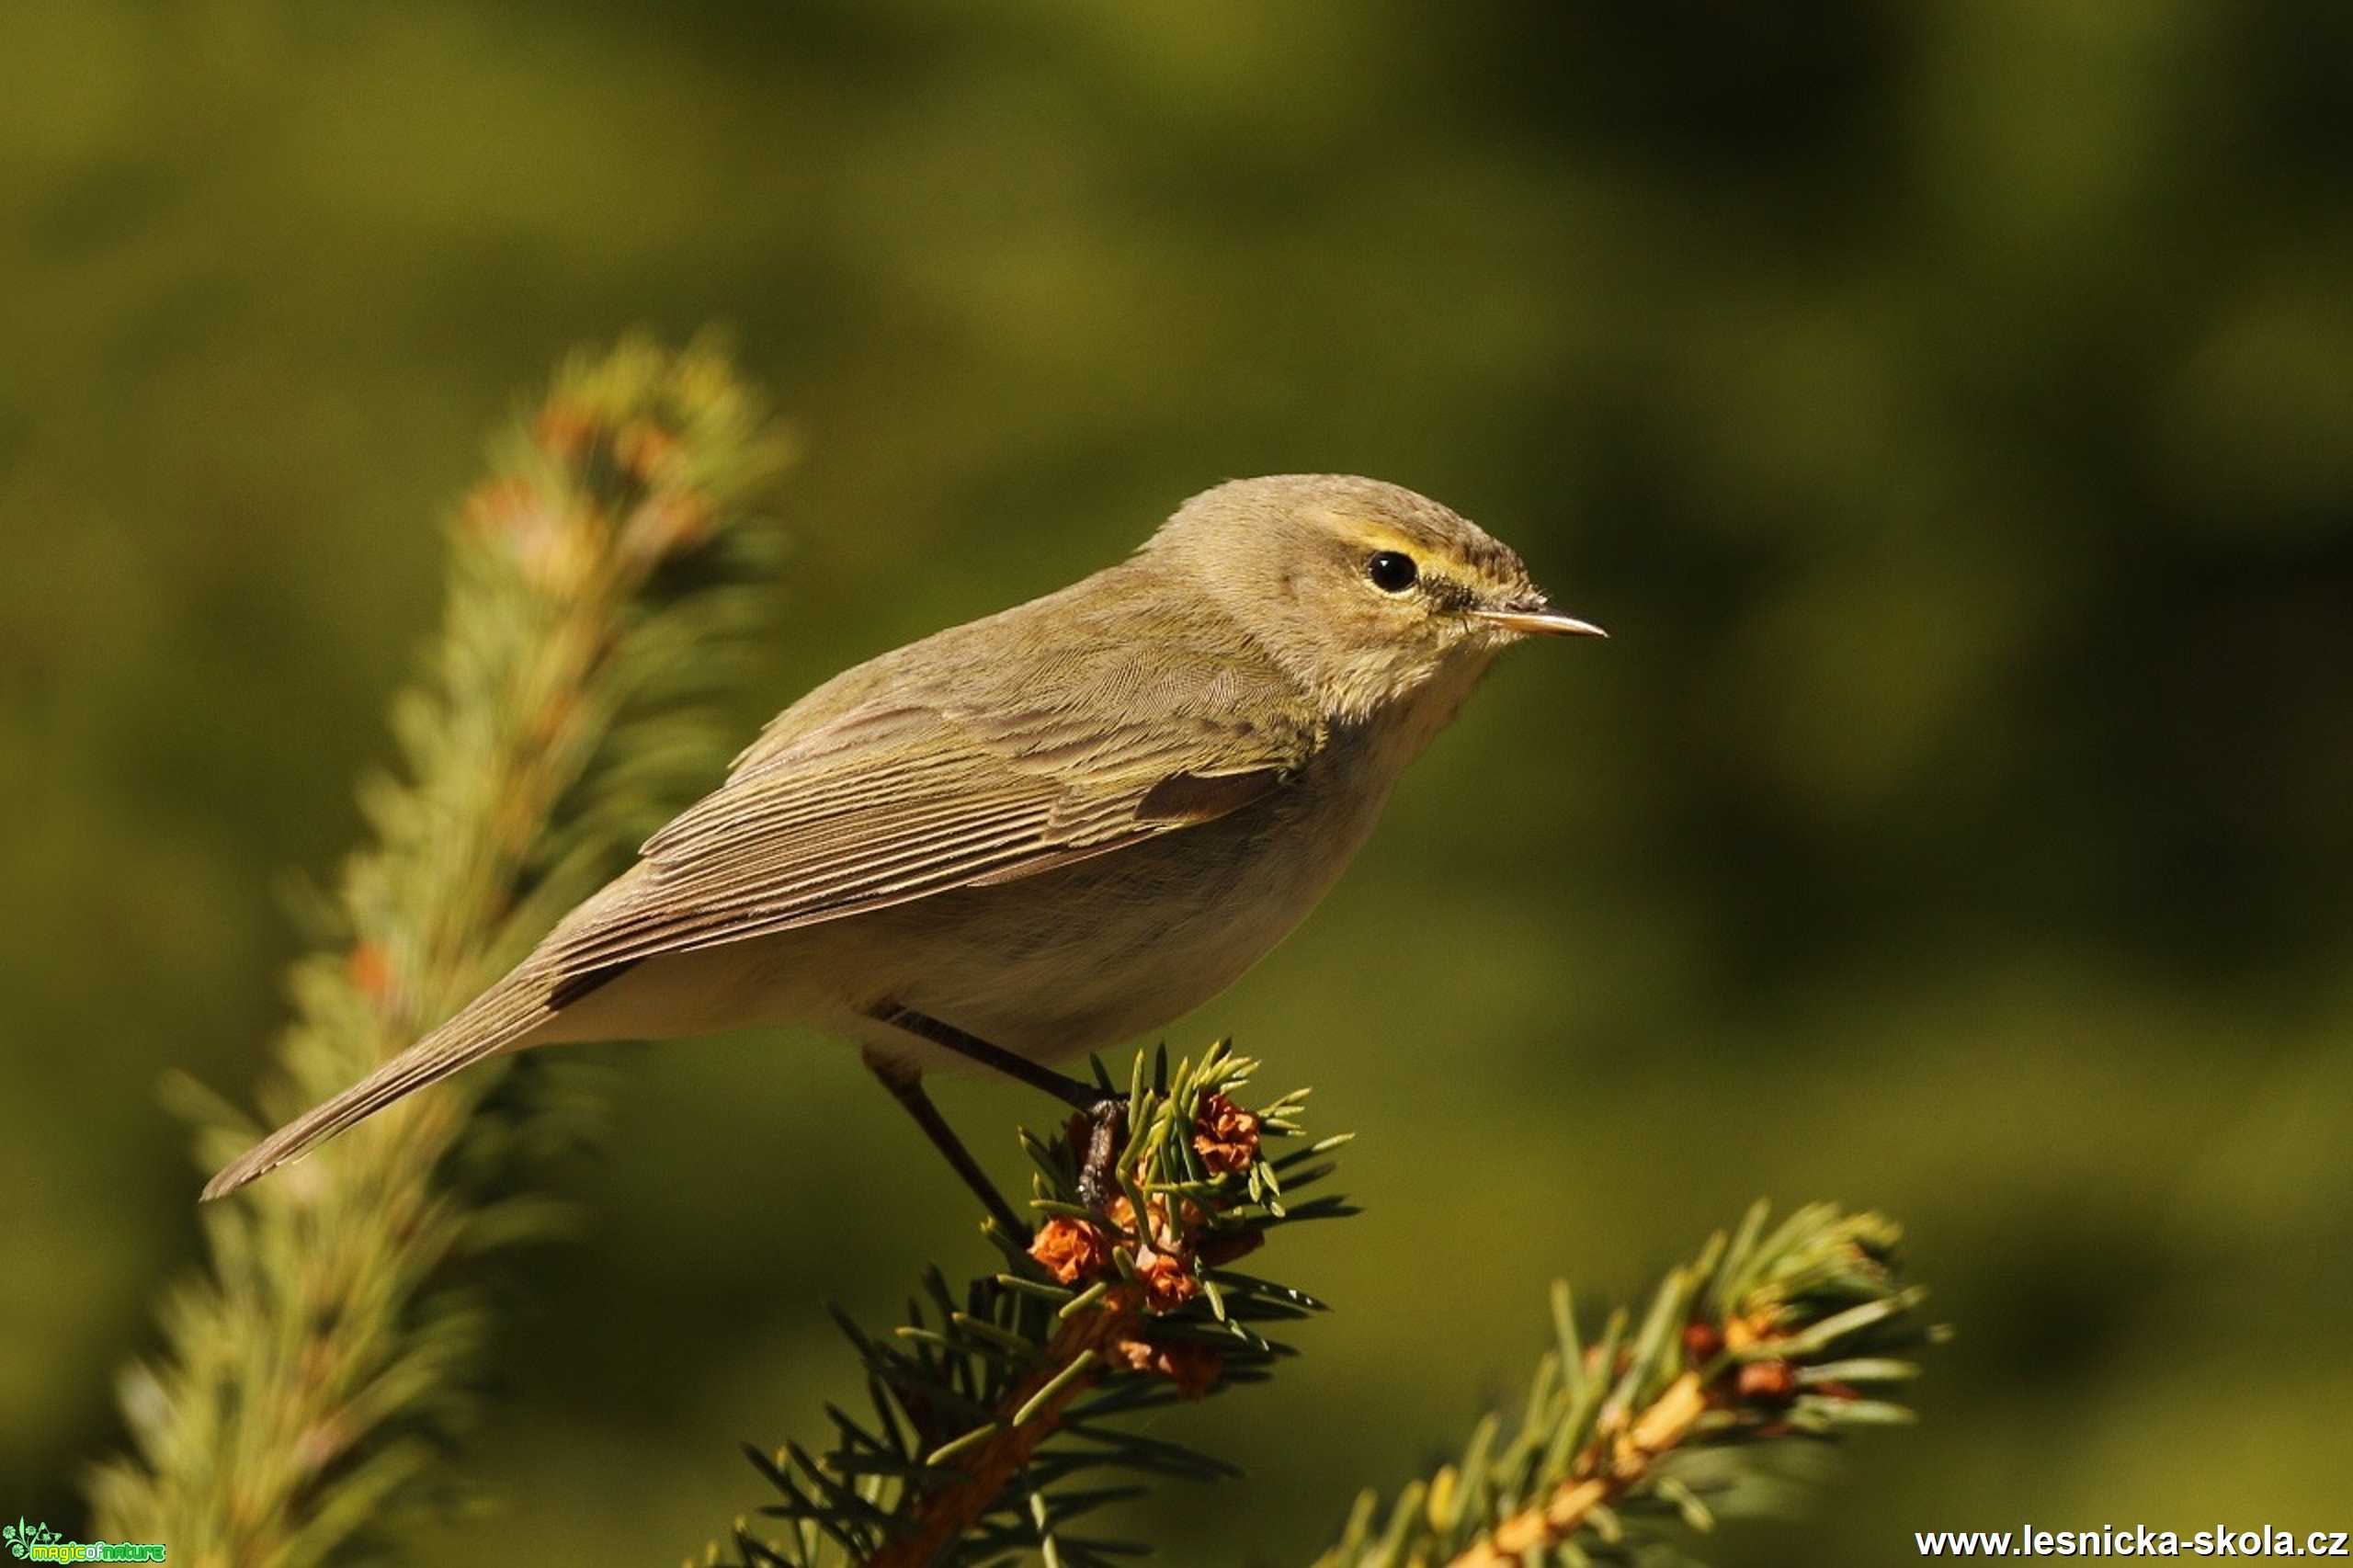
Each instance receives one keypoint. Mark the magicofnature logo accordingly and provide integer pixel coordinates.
(39, 1543)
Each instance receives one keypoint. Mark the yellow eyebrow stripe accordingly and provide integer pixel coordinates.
(1439, 563)
(1373, 535)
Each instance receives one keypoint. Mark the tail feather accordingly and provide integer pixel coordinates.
(496, 1019)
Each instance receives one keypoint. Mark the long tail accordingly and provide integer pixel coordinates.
(501, 1016)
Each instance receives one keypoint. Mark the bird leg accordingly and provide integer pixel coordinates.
(1106, 1113)
(905, 1084)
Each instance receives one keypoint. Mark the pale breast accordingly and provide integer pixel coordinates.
(1107, 950)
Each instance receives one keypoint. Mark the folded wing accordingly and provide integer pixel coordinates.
(892, 802)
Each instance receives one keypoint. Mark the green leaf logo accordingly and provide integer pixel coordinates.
(22, 1538)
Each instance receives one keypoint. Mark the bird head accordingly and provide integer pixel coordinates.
(1365, 592)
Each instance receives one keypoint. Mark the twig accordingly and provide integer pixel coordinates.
(1659, 1428)
(1765, 1337)
(1104, 1311)
(1073, 1364)
(312, 1377)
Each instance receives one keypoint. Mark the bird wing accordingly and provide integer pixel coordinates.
(894, 800)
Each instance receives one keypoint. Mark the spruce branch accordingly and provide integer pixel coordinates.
(603, 590)
(1765, 1338)
(993, 1421)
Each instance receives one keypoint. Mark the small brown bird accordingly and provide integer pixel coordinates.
(1042, 833)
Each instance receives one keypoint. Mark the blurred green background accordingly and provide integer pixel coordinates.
(1949, 409)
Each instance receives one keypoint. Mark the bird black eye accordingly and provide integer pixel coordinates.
(1391, 573)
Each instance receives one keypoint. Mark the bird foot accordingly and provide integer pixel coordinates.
(1104, 1127)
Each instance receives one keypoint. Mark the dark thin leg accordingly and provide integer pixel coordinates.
(1106, 1114)
(1070, 1091)
(907, 1087)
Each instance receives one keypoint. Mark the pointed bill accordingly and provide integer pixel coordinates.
(1539, 621)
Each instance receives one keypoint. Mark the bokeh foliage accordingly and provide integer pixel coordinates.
(1947, 408)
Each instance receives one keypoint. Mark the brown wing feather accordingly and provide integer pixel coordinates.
(893, 801)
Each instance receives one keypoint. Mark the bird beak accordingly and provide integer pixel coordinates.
(1538, 620)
